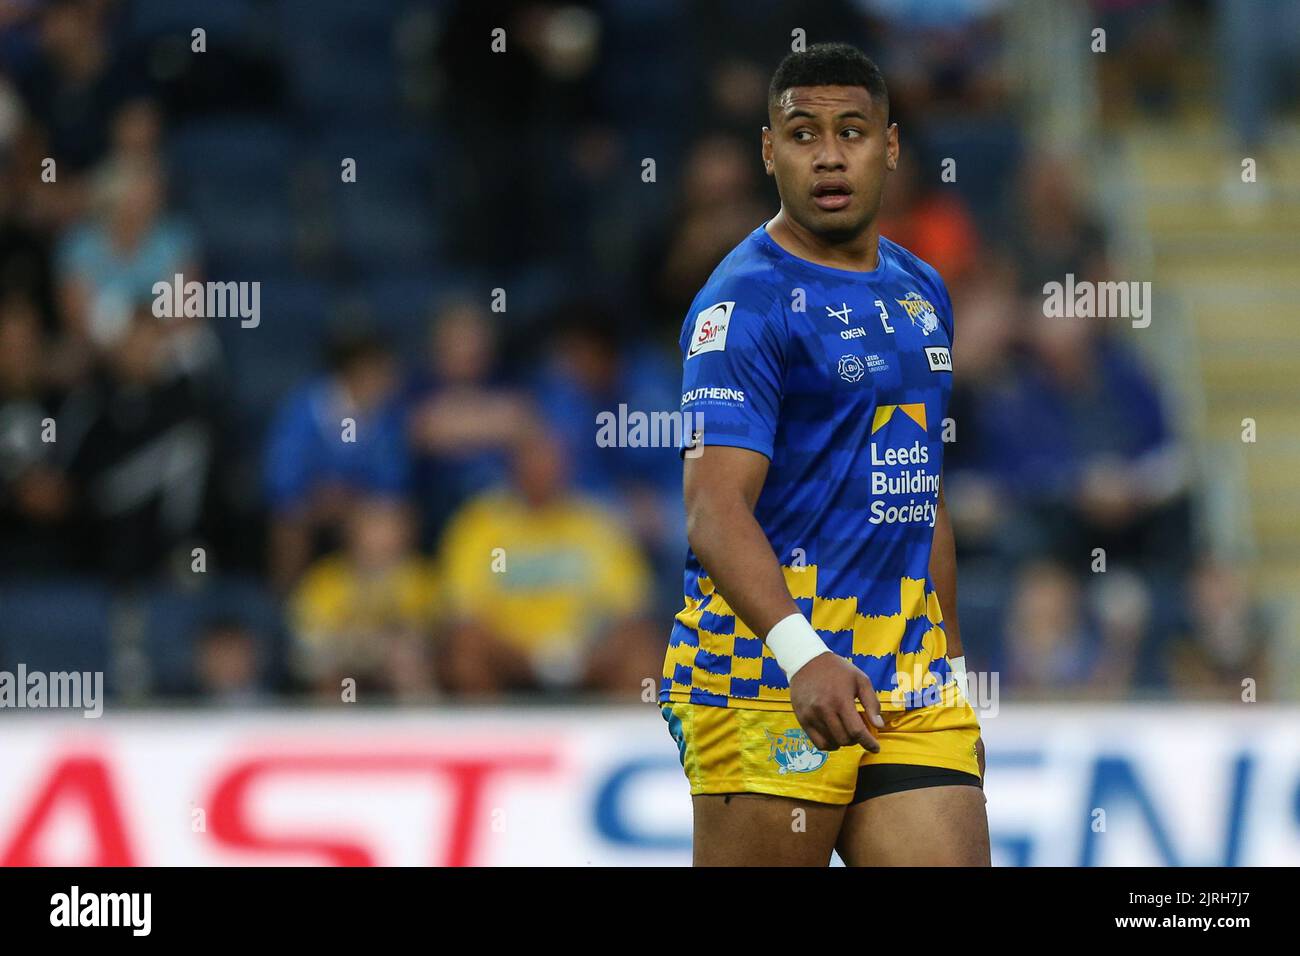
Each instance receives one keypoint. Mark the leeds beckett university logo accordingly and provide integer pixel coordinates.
(920, 311)
(851, 368)
(793, 752)
(710, 333)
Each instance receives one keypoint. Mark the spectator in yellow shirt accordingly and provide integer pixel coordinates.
(546, 589)
(368, 611)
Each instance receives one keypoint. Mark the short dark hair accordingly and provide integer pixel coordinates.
(347, 348)
(828, 64)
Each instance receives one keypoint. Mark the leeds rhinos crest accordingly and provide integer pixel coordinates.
(920, 311)
(793, 752)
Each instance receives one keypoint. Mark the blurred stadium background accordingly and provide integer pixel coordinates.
(497, 275)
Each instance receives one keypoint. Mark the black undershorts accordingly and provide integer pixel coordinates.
(875, 780)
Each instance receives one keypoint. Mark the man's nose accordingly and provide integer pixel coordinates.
(830, 157)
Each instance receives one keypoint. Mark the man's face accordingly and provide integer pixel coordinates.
(830, 150)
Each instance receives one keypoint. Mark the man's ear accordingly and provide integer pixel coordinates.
(767, 150)
(891, 147)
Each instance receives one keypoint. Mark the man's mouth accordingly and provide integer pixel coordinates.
(832, 194)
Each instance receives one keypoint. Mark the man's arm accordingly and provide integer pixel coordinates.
(943, 571)
(721, 488)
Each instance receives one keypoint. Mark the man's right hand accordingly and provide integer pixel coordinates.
(822, 693)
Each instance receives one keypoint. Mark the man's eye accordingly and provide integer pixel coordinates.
(802, 132)
(855, 132)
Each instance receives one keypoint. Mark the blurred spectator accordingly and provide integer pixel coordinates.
(463, 416)
(35, 496)
(1056, 234)
(339, 436)
(1224, 636)
(367, 612)
(1260, 46)
(109, 264)
(1121, 606)
(507, 209)
(719, 203)
(1063, 637)
(546, 589)
(590, 370)
(79, 82)
(226, 667)
(1050, 647)
(137, 134)
(1080, 438)
(144, 441)
(25, 259)
(984, 355)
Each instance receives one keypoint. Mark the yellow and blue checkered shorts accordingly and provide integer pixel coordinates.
(736, 750)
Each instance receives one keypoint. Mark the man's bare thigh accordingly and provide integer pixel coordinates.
(930, 826)
(755, 829)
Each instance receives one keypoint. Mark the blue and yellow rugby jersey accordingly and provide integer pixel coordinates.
(842, 380)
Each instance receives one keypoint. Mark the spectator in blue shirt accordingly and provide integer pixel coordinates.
(463, 414)
(1079, 436)
(338, 437)
(589, 371)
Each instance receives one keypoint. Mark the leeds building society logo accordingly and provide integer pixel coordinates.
(920, 311)
(710, 333)
(793, 752)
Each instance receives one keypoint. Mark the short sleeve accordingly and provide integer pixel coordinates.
(945, 307)
(733, 368)
(952, 319)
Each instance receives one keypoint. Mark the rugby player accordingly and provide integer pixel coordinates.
(814, 678)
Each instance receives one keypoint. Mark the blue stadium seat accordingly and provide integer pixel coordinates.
(59, 625)
(339, 55)
(387, 220)
(396, 157)
(380, 232)
(241, 241)
(284, 350)
(154, 18)
(247, 153)
(234, 177)
(532, 292)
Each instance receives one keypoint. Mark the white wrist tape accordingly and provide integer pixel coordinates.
(959, 671)
(794, 642)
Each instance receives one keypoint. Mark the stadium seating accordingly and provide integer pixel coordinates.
(55, 625)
